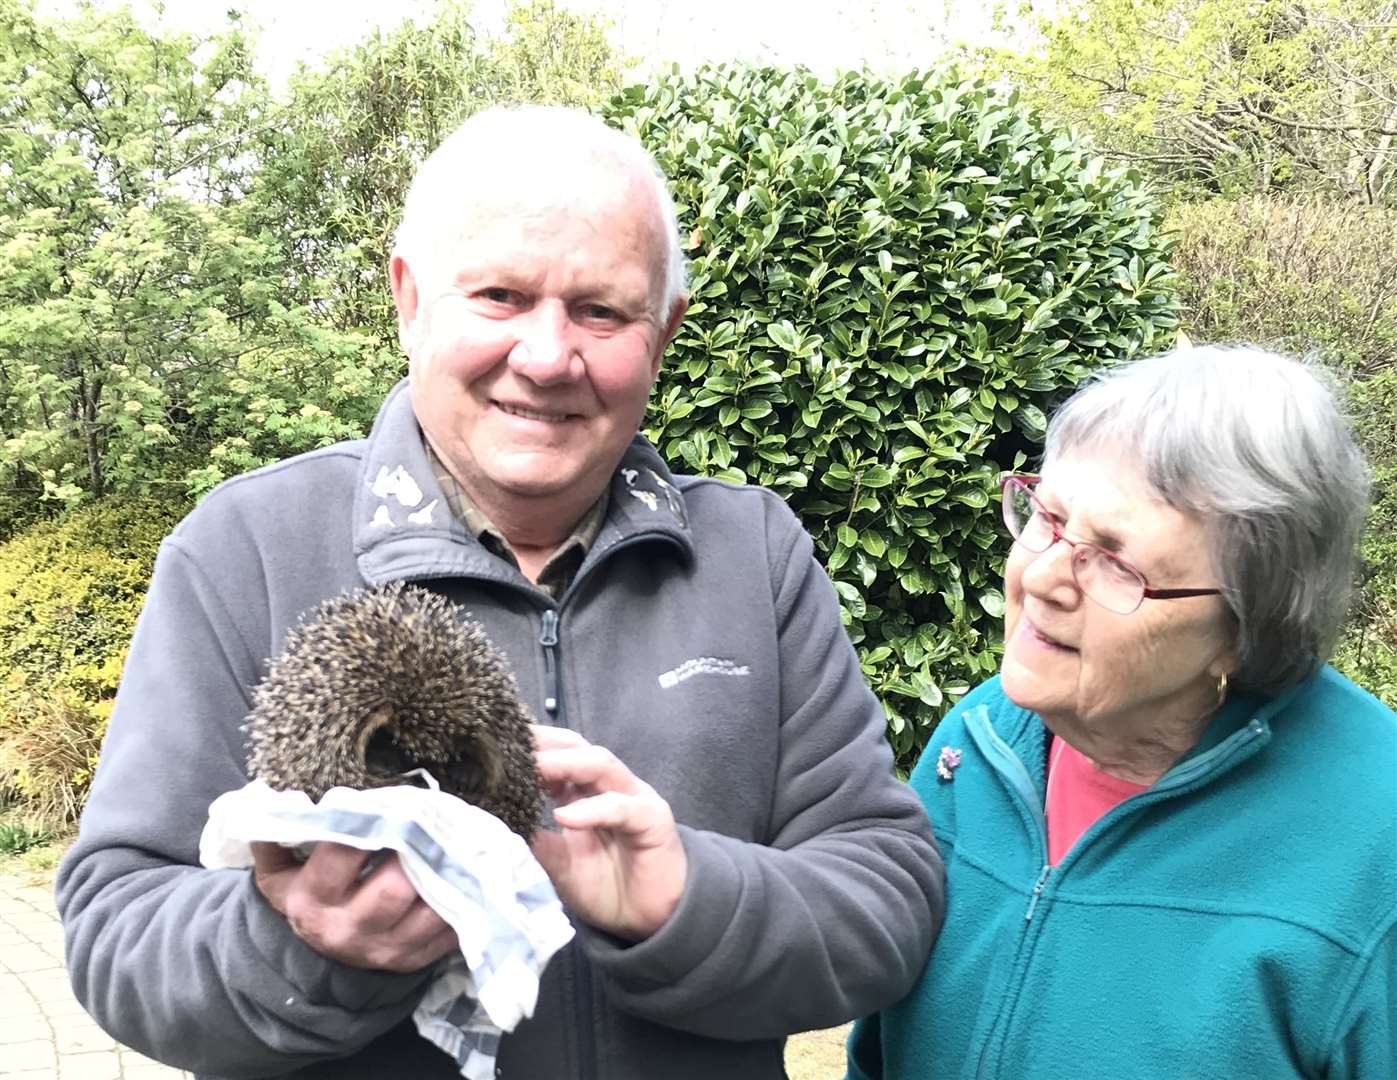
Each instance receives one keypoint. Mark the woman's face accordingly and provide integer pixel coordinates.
(1105, 678)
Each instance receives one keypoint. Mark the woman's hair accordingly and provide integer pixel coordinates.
(1255, 444)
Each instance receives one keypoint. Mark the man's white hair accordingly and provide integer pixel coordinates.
(543, 146)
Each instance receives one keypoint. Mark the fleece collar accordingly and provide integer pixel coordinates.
(1023, 732)
(404, 530)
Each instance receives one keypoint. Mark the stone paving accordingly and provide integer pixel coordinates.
(44, 1033)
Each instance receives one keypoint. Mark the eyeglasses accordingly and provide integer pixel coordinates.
(1111, 582)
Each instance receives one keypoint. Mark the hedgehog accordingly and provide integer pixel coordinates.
(380, 681)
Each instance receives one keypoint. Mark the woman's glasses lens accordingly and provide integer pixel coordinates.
(1025, 522)
(1100, 575)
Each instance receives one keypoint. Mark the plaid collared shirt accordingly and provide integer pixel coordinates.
(562, 565)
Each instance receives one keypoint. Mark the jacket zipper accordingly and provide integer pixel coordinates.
(1007, 764)
(586, 569)
(583, 1007)
(1037, 891)
(548, 638)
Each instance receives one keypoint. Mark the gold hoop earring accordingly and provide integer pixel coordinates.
(1222, 689)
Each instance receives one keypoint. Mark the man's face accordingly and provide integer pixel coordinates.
(534, 342)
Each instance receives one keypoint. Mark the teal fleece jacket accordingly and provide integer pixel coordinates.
(1236, 920)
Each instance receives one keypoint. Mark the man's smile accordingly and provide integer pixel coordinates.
(534, 414)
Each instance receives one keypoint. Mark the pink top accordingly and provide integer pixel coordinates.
(1078, 794)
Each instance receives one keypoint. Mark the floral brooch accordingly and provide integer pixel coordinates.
(947, 762)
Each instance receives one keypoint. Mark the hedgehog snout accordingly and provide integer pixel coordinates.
(477, 768)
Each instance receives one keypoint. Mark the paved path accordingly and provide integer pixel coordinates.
(44, 1033)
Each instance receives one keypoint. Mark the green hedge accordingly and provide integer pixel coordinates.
(1368, 652)
(892, 282)
(1300, 274)
(70, 591)
(1315, 277)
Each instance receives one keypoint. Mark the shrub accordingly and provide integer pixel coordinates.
(892, 281)
(1368, 652)
(50, 748)
(1319, 278)
(70, 591)
(1296, 274)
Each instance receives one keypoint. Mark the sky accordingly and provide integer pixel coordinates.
(821, 34)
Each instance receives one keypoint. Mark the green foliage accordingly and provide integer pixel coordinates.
(548, 54)
(1315, 277)
(17, 837)
(191, 273)
(891, 281)
(70, 591)
(1368, 653)
(1235, 98)
(1297, 274)
(135, 295)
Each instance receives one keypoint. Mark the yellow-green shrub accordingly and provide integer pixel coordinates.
(70, 591)
(1368, 651)
(49, 744)
(1306, 275)
(1315, 277)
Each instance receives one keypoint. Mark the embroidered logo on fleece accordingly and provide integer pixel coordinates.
(702, 665)
(402, 487)
(674, 502)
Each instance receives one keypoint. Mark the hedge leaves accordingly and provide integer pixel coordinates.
(891, 283)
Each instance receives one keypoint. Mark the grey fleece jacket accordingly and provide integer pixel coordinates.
(699, 641)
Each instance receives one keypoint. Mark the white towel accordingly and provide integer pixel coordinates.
(463, 861)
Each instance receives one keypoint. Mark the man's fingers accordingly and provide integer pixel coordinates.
(421, 925)
(271, 858)
(442, 944)
(547, 737)
(613, 810)
(328, 876)
(586, 766)
(384, 898)
(273, 869)
(551, 851)
(420, 939)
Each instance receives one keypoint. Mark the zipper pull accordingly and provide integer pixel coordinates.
(548, 638)
(1037, 892)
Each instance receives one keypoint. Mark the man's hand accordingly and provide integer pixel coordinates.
(618, 861)
(376, 920)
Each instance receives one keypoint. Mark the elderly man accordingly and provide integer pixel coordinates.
(738, 859)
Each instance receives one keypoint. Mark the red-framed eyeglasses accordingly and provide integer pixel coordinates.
(1103, 578)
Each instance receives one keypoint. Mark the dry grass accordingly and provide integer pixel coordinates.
(48, 751)
(817, 1055)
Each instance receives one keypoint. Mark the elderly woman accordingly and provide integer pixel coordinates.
(1170, 830)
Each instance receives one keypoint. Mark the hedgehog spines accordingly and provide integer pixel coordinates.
(378, 681)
